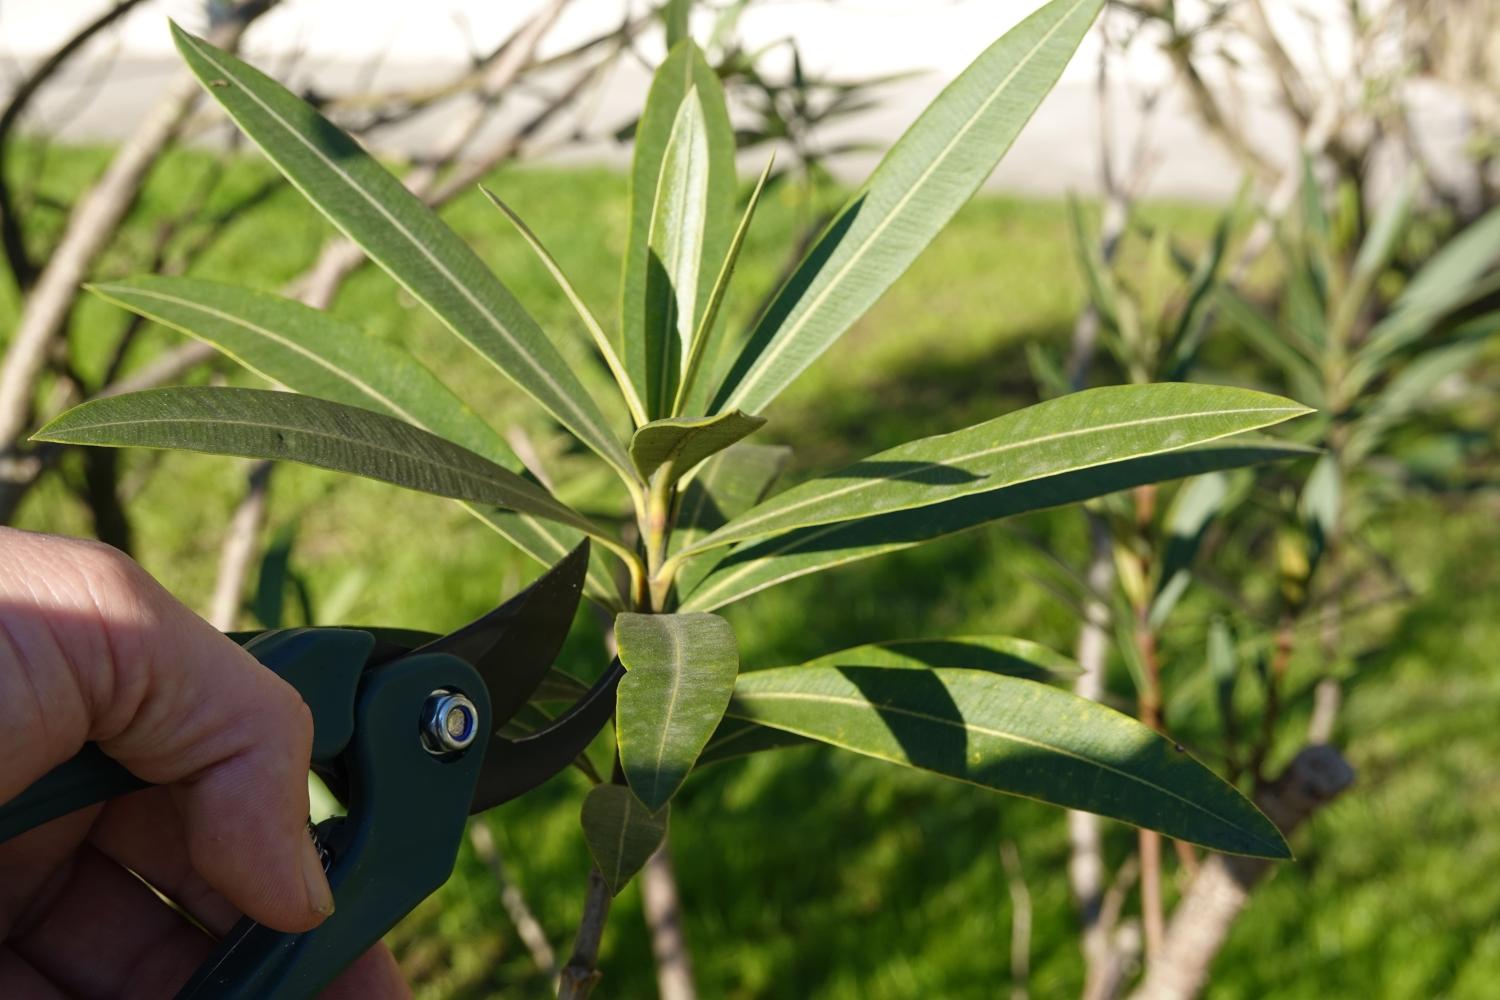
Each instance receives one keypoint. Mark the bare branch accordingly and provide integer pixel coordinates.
(1020, 921)
(527, 926)
(663, 912)
(237, 554)
(581, 974)
(12, 237)
(1202, 920)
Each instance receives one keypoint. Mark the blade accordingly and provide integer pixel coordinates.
(513, 646)
(515, 767)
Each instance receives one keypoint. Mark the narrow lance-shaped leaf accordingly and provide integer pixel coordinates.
(683, 71)
(1014, 736)
(1451, 278)
(680, 443)
(402, 235)
(1196, 504)
(257, 423)
(1000, 654)
(601, 339)
(703, 355)
(930, 172)
(680, 670)
(313, 353)
(620, 833)
(679, 219)
(754, 567)
(1074, 432)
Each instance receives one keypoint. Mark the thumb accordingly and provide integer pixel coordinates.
(92, 648)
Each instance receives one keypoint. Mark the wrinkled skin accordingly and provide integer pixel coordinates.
(91, 648)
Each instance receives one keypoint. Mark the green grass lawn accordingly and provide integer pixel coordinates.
(808, 873)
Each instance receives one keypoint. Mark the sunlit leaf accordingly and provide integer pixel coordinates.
(928, 174)
(256, 423)
(680, 671)
(1089, 429)
(680, 443)
(402, 235)
(753, 567)
(1014, 736)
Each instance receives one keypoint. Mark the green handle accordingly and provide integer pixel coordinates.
(407, 810)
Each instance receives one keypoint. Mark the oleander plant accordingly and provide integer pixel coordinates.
(706, 526)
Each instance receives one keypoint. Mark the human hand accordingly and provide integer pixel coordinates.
(92, 648)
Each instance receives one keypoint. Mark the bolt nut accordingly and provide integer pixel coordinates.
(450, 722)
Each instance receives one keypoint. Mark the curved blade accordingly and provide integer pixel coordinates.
(515, 767)
(513, 646)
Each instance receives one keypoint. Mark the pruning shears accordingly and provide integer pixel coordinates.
(407, 734)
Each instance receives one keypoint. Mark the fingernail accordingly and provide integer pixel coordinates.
(319, 896)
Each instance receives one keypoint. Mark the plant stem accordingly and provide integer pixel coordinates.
(581, 974)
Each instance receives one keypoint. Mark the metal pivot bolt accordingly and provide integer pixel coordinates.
(449, 722)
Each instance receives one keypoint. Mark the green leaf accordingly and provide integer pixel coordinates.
(998, 654)
(257, 423)
(1454, 276)
(708, 341)
(1319, 506)
(680, 443)
(1415, 385)
(402, 235)
(1014, 736)
(754, 567)
(1223, 669)
(679, 219)
(1194, 507)
(674, 15)
(601, 339)
(726, 485)
(684, 71)
(680, 670)
(1087, 429)
(930, 172)
(620, 833)
(995, 654)
(311, 352)
(737, 738)
(1297, 365)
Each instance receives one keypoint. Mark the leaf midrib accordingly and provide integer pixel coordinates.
(362, 442)
(739, 529)
(271, 335)
(966, 727)
(605, 438)
(788, 334)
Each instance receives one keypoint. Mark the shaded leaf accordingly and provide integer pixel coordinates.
(402, 235)
(1083, 430)
(621, 834)
(680, 670)
(1014, 736)
(1194, 507)
(726, 485)
(680, 443)
(928, 174)
(754, 567)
